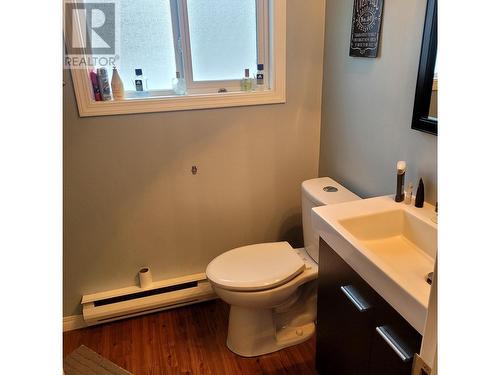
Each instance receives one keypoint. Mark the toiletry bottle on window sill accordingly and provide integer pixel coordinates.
(117, 85)
(259, 78)
(247, 82)
(179, 84)
(95, 86)
(104, 87)
(140, 82)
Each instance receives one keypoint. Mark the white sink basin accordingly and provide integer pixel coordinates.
(392, 246)
(397, 237)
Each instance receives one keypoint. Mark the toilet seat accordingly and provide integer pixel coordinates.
(255, 267)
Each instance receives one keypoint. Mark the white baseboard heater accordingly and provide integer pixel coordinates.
(133, 301)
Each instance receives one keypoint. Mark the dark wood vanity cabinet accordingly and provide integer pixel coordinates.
(358, 332)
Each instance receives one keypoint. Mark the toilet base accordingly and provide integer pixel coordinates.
(252, 332)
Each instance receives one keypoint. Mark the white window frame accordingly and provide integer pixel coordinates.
(201, 95)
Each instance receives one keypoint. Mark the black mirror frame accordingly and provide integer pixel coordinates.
(421, 120)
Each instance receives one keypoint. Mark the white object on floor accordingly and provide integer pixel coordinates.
(272, 287)
(265, 321)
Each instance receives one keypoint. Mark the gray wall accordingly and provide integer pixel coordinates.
(368, 104)
(130, 198)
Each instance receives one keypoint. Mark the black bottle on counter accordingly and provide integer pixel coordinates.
(419, 198)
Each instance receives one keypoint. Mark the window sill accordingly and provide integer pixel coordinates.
(179, 103)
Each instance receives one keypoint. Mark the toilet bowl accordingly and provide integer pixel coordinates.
(272, 287)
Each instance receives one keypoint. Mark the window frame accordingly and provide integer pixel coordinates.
(186, 66)
(202, 95)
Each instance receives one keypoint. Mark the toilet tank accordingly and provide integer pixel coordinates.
(319, 192)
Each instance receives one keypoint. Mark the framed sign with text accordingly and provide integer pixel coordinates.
(365, 30)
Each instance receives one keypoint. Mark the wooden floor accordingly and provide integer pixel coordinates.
(186, 340)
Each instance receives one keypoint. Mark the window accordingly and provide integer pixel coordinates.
(233, 41)
(209, 43)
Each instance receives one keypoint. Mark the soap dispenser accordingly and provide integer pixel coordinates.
(401, 169)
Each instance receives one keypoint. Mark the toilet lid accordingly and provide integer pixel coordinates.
(255, 267)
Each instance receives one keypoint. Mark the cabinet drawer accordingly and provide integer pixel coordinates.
(358, 331)
(394, 342)
(345, 319)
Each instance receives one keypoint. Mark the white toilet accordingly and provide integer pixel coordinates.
(271, 287)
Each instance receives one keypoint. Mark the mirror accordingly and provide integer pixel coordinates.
(425, 112)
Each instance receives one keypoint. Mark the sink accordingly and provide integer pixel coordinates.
(399, 238)
(392, 246)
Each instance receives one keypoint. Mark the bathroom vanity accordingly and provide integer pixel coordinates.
(373, 295)
(358, 332)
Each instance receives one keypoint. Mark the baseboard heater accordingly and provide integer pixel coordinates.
(124, 303)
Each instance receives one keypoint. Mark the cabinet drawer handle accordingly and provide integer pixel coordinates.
(355, 298)
(393, 343)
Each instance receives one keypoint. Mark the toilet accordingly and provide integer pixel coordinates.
(271, 287)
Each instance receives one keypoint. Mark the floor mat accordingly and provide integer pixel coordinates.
(83, 361)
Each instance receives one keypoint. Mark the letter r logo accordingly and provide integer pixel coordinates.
(90, 28)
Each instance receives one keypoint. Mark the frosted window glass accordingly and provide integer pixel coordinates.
(146, 42)
(223, 38)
